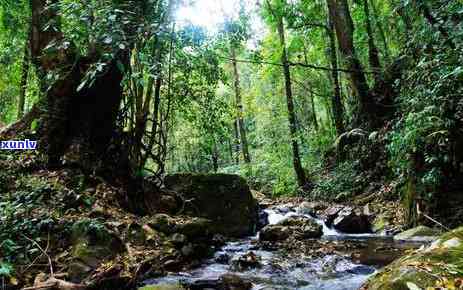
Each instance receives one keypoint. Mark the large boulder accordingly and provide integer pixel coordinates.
(350, 221)
(436, 266)
(418, 234)
(296, 226)
(224, 199)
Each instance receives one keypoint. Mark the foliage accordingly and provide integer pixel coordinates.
(426, 136)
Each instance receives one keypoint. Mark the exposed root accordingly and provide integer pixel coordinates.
(56, 284)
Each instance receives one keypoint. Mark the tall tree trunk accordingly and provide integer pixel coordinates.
(344, 27)
(300, 174)
(314, 113)
(239, 108)
(80, 122)
(380, 28)
(336, 101)
(237, 141)
(373, 53)
(23, 84)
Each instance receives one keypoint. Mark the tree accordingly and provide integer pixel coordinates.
(299, 170)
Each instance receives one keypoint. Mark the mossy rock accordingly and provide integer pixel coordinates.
(222, 198)
(162, 287)
(195, 228)
(92, 244)
(419, 233)
(425, 267)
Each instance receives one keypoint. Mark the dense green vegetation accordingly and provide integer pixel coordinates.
(330, 100)
(194, 100)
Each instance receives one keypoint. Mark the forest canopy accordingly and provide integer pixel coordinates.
(300, 97)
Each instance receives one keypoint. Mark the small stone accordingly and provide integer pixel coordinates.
(178, 239)
(188, 250)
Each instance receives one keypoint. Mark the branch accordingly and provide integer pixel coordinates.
(311, 66)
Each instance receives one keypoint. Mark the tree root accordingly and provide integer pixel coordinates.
(56, 284)
(21, 125)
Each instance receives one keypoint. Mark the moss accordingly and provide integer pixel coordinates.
(423, 267)
(162, 287)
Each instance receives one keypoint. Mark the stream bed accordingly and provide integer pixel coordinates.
(278, 270)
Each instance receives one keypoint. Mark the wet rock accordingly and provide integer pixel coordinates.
(423, 268)
(308, 208)
(350, 221)
(218, 240)
(224, 199)
(225, 282)
(263, 220)
(331, 213)
(299, 227)
(234, 282)
(283, 209)
(163, 287)
(274, 233)
(222, 258)
(417, 234)
(247, 261)
(172, 265)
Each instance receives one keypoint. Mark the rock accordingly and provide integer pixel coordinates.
(195, 228)
(303, 227)
(163, 287)
(225, 282)
(263, 220)
(274, 233)
(136, 234)
(92, 244)
(218, 240)
(247, 261)
(417, 234)
(308, 208)
(299, 227)
(331, 213)
(178, 239)
(422, 268)
(163, 223)
(222, 258)
(349, 221)
(234, 282)
(224, 199)
(168, 204)
(188, 250)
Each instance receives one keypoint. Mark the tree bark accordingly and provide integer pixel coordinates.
(299, 170)
(81, 122)
(239, 108)
(336, 101)
(237, 141)
(380, 30)
(373, 53)
(24, 77)
(344, 27)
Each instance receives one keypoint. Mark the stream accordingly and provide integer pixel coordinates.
(278, 270)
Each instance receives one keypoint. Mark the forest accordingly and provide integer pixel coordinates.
(231, 144)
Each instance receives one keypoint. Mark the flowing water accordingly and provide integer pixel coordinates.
(279, 271)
